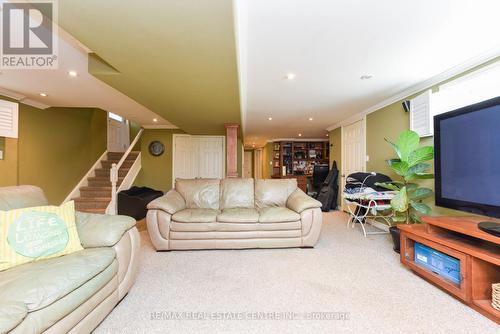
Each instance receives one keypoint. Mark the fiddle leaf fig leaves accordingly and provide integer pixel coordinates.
(411, 165)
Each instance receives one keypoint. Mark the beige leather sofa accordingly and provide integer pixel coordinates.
(75, 292)
(234, 213)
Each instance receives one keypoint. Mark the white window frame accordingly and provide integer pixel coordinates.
(13, 107)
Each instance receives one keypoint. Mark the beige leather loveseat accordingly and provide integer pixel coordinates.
(72, 293)
(234, 213)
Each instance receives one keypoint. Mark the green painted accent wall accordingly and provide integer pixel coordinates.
(335, 139)
(267, 159)
(8, 166)
(156, 172)
(55, 149)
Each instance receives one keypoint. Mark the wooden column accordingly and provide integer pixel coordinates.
(232, 150)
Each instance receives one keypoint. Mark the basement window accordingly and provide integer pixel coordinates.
(115, 117)
(473, 88)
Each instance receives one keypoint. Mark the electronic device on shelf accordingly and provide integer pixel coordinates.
(490, 227)
(467, 160)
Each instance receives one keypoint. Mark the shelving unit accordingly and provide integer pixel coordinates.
(477, 251)
(298, 157)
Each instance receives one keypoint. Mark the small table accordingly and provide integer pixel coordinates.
(367, 207)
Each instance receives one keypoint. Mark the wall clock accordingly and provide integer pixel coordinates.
(156, 148)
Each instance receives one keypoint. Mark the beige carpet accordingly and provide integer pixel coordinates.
(344, 273)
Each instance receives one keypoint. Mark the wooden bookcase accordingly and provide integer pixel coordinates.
(298, 157)
(477, 251)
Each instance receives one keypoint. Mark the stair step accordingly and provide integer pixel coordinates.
(106, 172)
(102, 181)
(95, 192)
(91, 203)
(126, 164)
(118, 155)
(92, 210)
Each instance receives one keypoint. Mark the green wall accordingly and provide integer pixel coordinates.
(55, 148)
(8, 166)
(335, 139)
(267, 159)
(335, 147)
(156, 172)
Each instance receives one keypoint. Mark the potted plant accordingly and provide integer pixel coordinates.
(411, 165)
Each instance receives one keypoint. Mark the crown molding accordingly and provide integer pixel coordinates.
(426, 84)
(35, 104)
(22, 99)
(11, 94)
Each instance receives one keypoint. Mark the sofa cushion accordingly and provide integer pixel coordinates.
(236, 193)
(238, 215)
(39, 284)
(199, 193)
(278, 215)
(196, 216)
(273, 192)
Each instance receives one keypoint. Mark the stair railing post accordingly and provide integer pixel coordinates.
(113, 174)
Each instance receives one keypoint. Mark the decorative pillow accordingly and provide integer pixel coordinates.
(32, 234)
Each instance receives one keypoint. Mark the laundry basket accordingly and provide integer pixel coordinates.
(495, 296)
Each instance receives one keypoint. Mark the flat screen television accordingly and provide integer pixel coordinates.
(467, 158)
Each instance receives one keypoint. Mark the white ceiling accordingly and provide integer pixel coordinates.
(329, 45)
(82, 91)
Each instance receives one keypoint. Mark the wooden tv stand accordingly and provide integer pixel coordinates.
(478, 252)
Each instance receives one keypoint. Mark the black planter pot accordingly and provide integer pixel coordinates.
(395, 237)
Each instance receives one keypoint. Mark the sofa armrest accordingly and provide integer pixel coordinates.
(96, 230)
(299, 201)
(171, 202)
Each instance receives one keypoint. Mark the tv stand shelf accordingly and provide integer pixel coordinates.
(477, 251)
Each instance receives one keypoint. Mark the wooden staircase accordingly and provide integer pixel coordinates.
(96, 196)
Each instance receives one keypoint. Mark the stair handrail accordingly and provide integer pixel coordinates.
(113, 173)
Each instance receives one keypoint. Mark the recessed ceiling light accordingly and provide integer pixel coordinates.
(73, 73)
(269, 118)
(310, 118)
(290, 76)
(300, 134)
(43, 94)
(366, 77)
(155, 120)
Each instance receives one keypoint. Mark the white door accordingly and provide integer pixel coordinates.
(198, 157)
(353, 150)
(118, 134)
(247, 164)
(210, 156)
(185, 159)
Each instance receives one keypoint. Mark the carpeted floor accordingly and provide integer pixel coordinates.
(344, 276)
